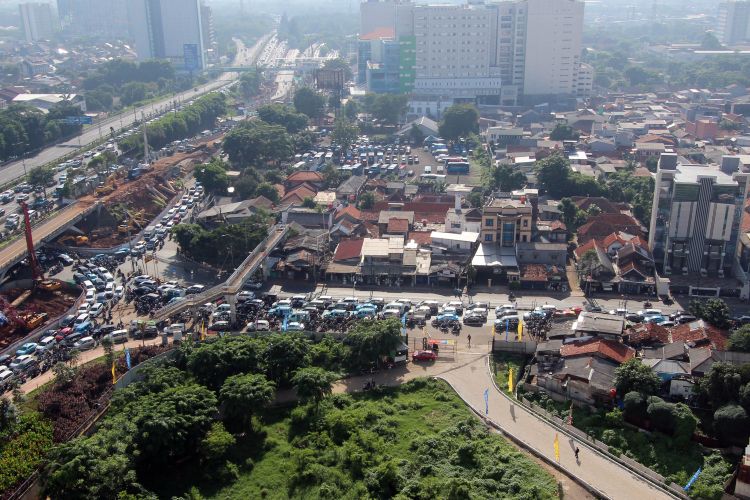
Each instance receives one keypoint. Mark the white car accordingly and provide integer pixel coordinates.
(84, 308)
(260, 325)
(119, 292)
(90, 296)
(46, 344)
(294, 326)
(85, 344)
(96, 310)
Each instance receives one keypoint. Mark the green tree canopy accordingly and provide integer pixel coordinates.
(633, 375)
(279, 114)
(254, 143)
(715, 311)
(41, 176)
(213, 176)
(345, 133)
(387, 108)
(284, 354)
(460, 120)
(739, 340)
(370, 341)
(563, 132)
(313, 384)
(242, 395)
(309, 102)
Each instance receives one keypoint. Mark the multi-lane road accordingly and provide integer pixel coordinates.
(14, 170)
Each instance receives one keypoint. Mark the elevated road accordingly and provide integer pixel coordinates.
(234, 283)
(14, 170)
(44, 232)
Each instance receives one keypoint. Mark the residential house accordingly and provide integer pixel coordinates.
(553, 231)
(382, 260)
(314, 179)
(344, 266)
(385, 216)
(443, 242)
(298, 194)
(587, 379)
(607, 326)
(350, 189)
(459, 220)
(603, 348)
(602, 225)
(427, 126)
(506, 222)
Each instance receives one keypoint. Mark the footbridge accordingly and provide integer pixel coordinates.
(233, 284)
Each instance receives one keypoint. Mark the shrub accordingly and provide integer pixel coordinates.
(634, 405)
(731, 424)
(662, 416)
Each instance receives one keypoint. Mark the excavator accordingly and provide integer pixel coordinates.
(77, 241)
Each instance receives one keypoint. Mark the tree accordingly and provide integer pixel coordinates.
(211, 364)
(710, 42)
(217, 443)
(474, 199)
(250, 83)
(339, 63)
(351, 109)
(568, 209)
(415, 135)
(714, 311)
(388, 108)
(721, 385)
(41, 176)
(309, 102)
(267, 190)
(313, 384)
(370, 341)
(553, 174)
(635, 376)
(213, 176)
(459, 120)
(505, 178)
(731, 424)
(284, 355)
(344, 133)
(242, 395)
(367, 200)
(256, 142)
(308, 203)
(563, 132)
(279, 114)
(739, 340)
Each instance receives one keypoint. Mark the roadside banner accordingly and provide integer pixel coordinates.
(510, 380)
(556, 444)
(127, 358)
(486, 401)
(693, 479)
(114, 373)
(520, 330)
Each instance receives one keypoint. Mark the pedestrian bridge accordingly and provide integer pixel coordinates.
(233, 284)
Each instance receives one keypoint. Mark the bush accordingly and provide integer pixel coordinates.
(23, 449)
(634, 405)
(662, 415)
(731, 424)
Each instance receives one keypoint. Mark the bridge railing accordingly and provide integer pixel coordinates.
(234, 282)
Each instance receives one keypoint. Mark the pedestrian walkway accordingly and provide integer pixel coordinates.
(608, 478)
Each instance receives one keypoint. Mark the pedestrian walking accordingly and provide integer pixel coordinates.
(469, 339)
(576, 453)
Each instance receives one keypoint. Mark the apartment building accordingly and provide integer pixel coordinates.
(168, 29)
(37, 21)
(733, 22)
(488, 53)
(695, 221)
(94, 18)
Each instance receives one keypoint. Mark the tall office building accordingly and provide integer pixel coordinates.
(98, 18)
(37, 21)
(734, 22)
(492, 53)
(168, 29)
(210, 45)
(695, 219)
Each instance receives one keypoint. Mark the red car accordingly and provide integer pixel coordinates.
(424, 356)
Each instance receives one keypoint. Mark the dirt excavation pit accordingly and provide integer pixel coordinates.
(37, 309)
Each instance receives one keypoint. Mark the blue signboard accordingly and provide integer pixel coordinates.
(78, 120)
(191, 56)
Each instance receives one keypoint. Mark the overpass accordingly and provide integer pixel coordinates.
(233, 284)
(45, 232)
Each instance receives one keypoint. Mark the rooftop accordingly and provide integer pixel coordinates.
(606, 324)
(692, 174)
(609, 349)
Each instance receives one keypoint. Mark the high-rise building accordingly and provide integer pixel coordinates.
(491, 53)
(37, 21)
(695, 219)
(168, 29)
(210, 45)
(734, 22)
(98, 18)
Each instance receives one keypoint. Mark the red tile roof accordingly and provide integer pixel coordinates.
(348, 249)
(351, 211)
(299, 193)
(648, 332)
(421, 238)
(700, 332)
(304, 176)
(556, 225)
(379, 33)
(603, 225)
(398, 225)
(589, 245)
(585, 202)
(606, 348)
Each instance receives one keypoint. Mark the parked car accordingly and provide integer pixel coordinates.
(84, 344)
(23, 363)
(424, 356)
(259, 325)
(118, 336)
(46, 343)
(474, 319)
(27, 348)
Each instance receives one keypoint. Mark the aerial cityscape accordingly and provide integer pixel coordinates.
(374, 249)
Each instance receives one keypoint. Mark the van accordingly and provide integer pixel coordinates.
(148, 232)
(46, 344)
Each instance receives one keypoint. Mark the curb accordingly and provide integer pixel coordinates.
(538, 454)
(596, 450)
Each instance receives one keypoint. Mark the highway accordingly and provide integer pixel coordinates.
(14, 170)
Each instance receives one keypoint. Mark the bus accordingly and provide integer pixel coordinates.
(458, 167)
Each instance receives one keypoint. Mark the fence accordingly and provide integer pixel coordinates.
(524, 347)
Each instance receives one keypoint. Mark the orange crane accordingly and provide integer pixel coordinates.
(36, 269)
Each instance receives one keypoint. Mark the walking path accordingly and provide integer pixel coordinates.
(608, 478)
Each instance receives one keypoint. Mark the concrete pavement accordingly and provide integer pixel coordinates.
(609, 479)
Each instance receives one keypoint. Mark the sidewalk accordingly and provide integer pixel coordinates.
(608, 478)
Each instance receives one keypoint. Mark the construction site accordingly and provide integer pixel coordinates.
(126, 206)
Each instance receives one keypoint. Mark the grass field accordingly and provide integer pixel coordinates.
(419, 440)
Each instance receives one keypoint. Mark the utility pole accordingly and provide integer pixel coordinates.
(145, 141)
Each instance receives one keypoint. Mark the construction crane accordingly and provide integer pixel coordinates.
(36, 269)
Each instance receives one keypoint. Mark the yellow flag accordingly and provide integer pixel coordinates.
(557, 448)
(114, 374)
(203, 331)
(520, 330)
(510, 380)
(493, 329)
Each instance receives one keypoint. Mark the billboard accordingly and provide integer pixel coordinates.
(191, 56)
(329, 79)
